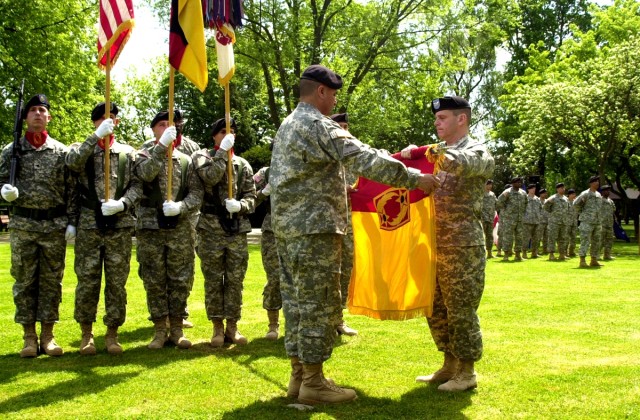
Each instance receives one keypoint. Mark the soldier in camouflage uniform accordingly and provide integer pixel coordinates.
(461, 253)
(500, 231)
(589, 206)
(544, 221)
(105, 228)
(557, 208)
(309, 218)
(489, 201)
(531, 222)
(572, 224)
(165, 236)
(511, 205)
(607, 216)
(42, 200)
(222, 232)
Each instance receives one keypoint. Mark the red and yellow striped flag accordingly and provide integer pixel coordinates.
(394, 268)
(187, 52)
(114, 29)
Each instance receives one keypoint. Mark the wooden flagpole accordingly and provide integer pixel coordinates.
(172, 73)
(107, 140)
(227, 117)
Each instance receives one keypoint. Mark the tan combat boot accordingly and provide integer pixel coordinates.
(87, 346)
(295, 380)
(524, 255)
(489, 254)
(217, 340)
(594, 262)
(176, 335)
(233, 334)
(30, 337)
(186, 323)
(562, 256)
(534, 254)
(343, 328)
(499, 254)
(583, 262)
(551, 256)
(518, 256)
(464, 379)
(445, 373)
(160, 337)
(273, 332)
(507, 254)
(48, 343)
(111, 341)
(316, 390)
(607, 256)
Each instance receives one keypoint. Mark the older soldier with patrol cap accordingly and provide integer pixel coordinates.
(531, 222)
(165, 237)
(488, 215)
(557, 208)
(512, 204)
(222, 231)
(309, 218)
(589, 205)
(43, 216)
(105, 228)
(607, 217)
(461, 252)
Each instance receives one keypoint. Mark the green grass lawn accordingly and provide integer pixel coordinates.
(560, 342)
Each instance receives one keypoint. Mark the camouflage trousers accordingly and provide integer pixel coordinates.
(346, 267)
(530, 236)
(94, 249)
(166, 267)
(37, 265)
(512, 237)
(223, 260)
(271, 297)
(606, 238)
(571, 239)
(557, 233)
(500, 244)
(310, 284)
(589, 238)
(544, 235)
(454, 324)
(487, 228)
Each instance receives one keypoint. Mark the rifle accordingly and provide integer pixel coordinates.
(17, 133)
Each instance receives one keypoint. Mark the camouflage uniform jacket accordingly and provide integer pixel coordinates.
(512, 205)
(608, 212)
(458, 202)
(572, 215)
(261, 179)
(307, 175)
(544, 216)
(588, 204)
(77, 158)
(533, 211)
(212, 170)
(489, 201)
(151, 164)
(43, 182)
(557, 207)
(187, 146)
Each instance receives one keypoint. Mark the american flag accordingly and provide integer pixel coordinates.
(114, 29)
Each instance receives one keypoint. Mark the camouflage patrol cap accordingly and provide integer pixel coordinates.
(340, 118)
(221, 124)
(36, 100)
(571, 191)
(164, 116)
(595, 178)
(489, 182)
(531, 186)
(605, 187)
(559, 184)
(99, 111)
(449, 102)
(542, 191)
(321, 74)
(516, 179)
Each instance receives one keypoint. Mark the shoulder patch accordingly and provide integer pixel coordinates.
(350, 148)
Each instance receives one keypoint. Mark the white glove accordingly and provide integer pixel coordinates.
(112, 207)
(406, 152)
(227, 142)
(232, 205)
(70, 233)
(105, 128)
(266, 190)
(9, 192)
(168, 136)
(171, 208)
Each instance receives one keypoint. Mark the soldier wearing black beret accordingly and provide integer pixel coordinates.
(98, 111)
(39, 99)
(342, 120)
(323, 75)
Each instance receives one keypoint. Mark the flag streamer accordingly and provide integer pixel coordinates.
(114, 29)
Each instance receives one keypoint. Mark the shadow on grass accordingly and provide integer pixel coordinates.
(420, 403)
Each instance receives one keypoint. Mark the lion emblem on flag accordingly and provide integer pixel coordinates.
(392, 207)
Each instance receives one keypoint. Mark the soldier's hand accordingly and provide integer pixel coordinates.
(111, 207)
(70, 233)
(9, 192)
(168, 136)
(428, 183)
(105, 128)
(406, 152)
(266, 191)
(232, 205)
(227, 142)
(171, 208)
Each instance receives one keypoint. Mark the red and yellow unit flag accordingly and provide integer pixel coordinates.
(394, 266)
(225, 38)
(224, 16)
(114, 28)
(187, 52)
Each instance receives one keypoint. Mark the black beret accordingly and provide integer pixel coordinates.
(559, 184)
(605, 187)
(340, 118)
(530, 186)
(595, 178)
(98, 111)
(220, 124)
(489, 181)
(542, 191)
(39, 99)
(571, 191)
(449, 102)
(164, 116)
(323, 75)
(516, 179)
